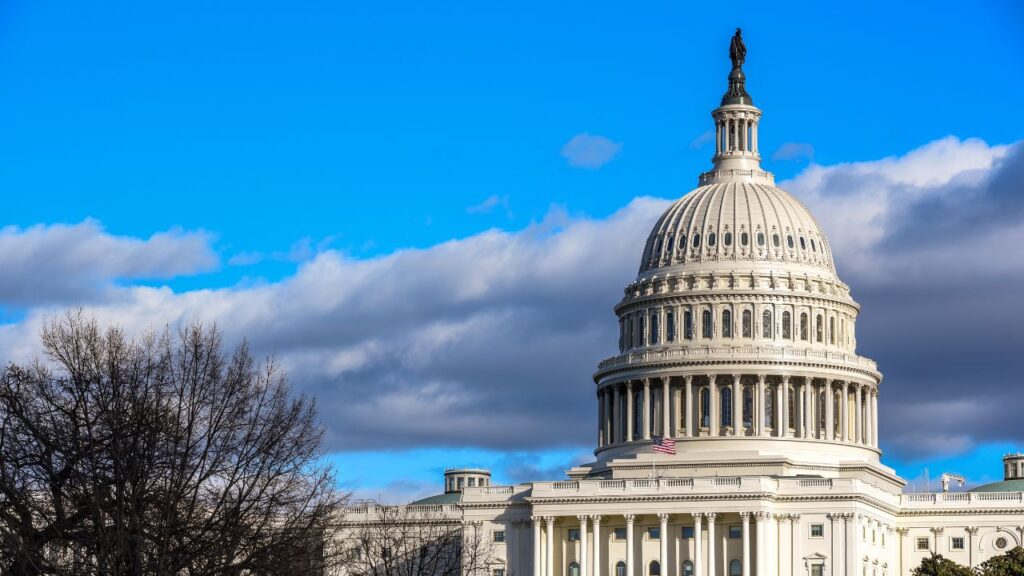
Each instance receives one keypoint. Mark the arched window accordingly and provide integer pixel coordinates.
(620, 568)
(670, 326)
(791, 407)
(706, 324)
(727, 238)
(688, 568)
(775, 240)
(831, 330)
(760, 238)
(696, 241)
(711, 239)
(803, 244)
(682, 243)
(705, 408)
(766, 324)
(769, 408)
(688, 325)
(655, 569)
(643, 331)
(734, 568)
(814, 248)
(726, 412)
(744, 238)
(654, 329)
(819, 329)
(787, 324)
(727, 323)
(574, 569)
(670, 243)
(748, 407)
(789, 242)
(657, 248)
(748, 329)
(803, 325)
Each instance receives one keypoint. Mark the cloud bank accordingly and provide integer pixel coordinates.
(489, 341)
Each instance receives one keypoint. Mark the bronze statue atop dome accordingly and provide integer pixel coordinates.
(737, 49)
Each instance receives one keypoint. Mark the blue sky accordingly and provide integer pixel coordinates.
(267, 145)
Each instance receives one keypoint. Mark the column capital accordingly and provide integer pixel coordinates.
(785, 379)
(688, 379)
(972, 530)
(698, 515)
(646, 381)
(746, 515)
(536, 520)
(903, 531)
(596, 519)
(630, 518)
(549, 520)
(711, 516)
(663, 518)
(762, 515)
(736, 378)
(829, 381)
(761, 378)
(712, 378)
(937, 531)
(629, 385)
(582, 518)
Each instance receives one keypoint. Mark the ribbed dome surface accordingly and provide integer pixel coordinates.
(737, 221)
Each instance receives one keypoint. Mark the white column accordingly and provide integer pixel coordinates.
(713, 404)
(759, 408)
(712, 557)
(785, 544)
(785, 406)
(600, 418)
(830, 401)
(874, 417)
(688, 421)
(646, 421)
(745, 516)
(698, 546)
(629, 544)
(597, 545)
(844, 408)
(761, 519)
(536, 546)
(718, 137)
(608, 415)
(629, 411)
(549, 553)
(666, 412)
(858, 415)
(583, 544)
(851, 544)
(800, 406)
(808, 411)
(663, 541)
(737, 406)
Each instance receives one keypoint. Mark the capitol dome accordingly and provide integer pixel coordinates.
(737, 339)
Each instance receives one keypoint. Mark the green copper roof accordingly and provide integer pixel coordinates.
(449, 498)
(1004, 486)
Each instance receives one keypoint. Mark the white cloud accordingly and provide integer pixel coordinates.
(490, 340)
(74, 262)
(794, 151)
(488, 205)
(590, 151)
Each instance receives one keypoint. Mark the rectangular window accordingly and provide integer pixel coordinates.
(957, 543)
(817, 530)
(817, 570)
(654, 533)
(574, 534)
(922, 543)
(499, 535)
(620, 533)
(735, 532)
(687, 532)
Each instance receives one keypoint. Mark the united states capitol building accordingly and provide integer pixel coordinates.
(737, 344)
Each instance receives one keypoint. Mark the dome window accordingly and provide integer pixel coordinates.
(803, 243)
(760, 238)
(670, 326)
(706, 326)
(727, 238)
(657, 248)
(747, 321)
(787, 325)
(819, 329)
(744, 239)
(726, 323)
(682, 242)
(696, 240)
(688, 325)
(766, 324)
(814, 247)
(803, 326)
(789, 242)
(775, 240)
(711, 239)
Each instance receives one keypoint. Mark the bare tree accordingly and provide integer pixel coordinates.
(161, 455)
(414, 541)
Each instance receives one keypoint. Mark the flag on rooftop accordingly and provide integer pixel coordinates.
(664, 445)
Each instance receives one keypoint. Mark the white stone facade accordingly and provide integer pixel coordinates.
(738, 341)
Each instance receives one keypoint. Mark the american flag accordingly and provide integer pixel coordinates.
(664, 445)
